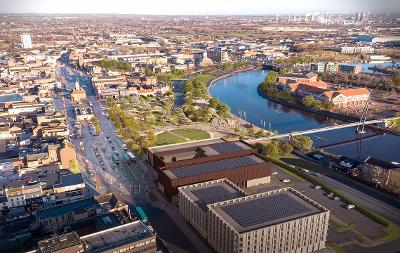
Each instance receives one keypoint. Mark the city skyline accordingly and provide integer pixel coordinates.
(207, 7)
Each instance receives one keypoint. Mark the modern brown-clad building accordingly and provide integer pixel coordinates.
(174, 156)
(178, 166)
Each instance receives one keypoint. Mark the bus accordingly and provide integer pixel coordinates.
(115, 159)
(132, 156)
(127, 158)
(141, 213)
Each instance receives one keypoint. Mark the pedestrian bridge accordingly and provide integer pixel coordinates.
(323, 129)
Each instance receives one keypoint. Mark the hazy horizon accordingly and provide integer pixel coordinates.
(205, 7)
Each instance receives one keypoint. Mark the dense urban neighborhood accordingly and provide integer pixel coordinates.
(146, 133)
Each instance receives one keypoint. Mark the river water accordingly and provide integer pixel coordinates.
(240, 93)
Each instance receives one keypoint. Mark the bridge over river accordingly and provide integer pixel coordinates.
(323, 129)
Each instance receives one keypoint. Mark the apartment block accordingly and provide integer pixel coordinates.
(282, 220)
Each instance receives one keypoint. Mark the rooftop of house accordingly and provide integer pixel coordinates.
(66, 208)
(47, 178)
(68, 180)
(299, 75)
(11, 98)
(59, 242)
(117, 236)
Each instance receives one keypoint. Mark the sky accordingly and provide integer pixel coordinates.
(200, 7)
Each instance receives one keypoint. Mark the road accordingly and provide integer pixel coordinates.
(130, 182)
(388, 211)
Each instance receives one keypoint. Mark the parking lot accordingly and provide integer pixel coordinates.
(338, 209)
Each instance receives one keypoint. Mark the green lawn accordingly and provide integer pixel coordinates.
(181, 135)
(167, 138)
(192, 134)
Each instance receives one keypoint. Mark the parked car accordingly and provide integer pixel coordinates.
(350, 206)
(317, 187)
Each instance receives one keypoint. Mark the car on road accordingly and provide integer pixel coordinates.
(350, 206)
(317, 187)
(286, 180)
(274, 173)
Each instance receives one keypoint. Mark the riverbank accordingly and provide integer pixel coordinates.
(218, 126)
(237, 120)
(325, 113)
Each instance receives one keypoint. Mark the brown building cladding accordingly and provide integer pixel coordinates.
(177, 156)
(190, 163)
(243, 171)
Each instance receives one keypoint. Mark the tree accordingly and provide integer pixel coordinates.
(264, 86)
(329, 105)
(286, 147)
(317, 104)
(271, 77)
(74, 166)
(260, 148)
(302, 142)
(396, 80)
(96, 124)
(308, 101)
(272, 148)
(115, 65)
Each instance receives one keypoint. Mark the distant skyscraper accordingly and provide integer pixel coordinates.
(26, 41)
(361, 17)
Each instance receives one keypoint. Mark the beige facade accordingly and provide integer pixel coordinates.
(195, 214)
(303, 234)
(279, 221)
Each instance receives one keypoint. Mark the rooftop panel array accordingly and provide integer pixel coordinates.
(227, 147)
(268, 209)
(216, 193)
(204, 168)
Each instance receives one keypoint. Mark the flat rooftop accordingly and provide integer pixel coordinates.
(263, 210)
(117, 236)
(207, 150)
(215, 166)
(66, 208)
(59, 243)
(213, 192)
(185, 145)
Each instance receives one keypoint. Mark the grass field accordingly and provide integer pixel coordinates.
(192, 134)
(181, 135)
(168, 138)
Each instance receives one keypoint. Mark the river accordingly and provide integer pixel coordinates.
(240, 93)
